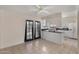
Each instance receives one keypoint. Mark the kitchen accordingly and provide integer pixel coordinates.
(39, 28)
(62, 30)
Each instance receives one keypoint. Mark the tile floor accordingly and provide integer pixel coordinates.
(71, 42)
(40, 46)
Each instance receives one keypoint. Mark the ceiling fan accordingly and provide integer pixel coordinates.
(41, 9)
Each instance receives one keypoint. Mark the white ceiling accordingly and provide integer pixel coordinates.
(45, 9)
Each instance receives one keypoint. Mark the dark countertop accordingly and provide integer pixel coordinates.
(62, 29)
(65, 29)
(54, 31)
(44, 29)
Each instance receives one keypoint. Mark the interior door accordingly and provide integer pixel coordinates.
(37, 29)
(29, 30)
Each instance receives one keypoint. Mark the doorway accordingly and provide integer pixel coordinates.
(37, 30)
(28, 30)
(32, 30)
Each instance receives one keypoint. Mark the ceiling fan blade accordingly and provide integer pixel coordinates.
(38, 6)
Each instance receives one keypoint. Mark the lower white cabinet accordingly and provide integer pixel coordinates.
(53, 37)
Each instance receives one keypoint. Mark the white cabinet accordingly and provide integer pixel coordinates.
(73, 32)
(53, 37)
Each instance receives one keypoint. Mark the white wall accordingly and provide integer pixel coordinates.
(1, 11)
(54, 19)
(12, 27)
(78, 27)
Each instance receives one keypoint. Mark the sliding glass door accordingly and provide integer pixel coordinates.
(32, 30)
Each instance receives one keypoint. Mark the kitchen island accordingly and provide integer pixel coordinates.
(53, 36)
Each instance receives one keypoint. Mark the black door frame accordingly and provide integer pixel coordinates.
(26, 31)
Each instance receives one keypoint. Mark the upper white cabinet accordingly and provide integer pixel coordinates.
(43, 24)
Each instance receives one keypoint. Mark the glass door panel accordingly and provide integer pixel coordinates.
(31, 33)
(37, 29)
(32, 30)
(29, 30)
